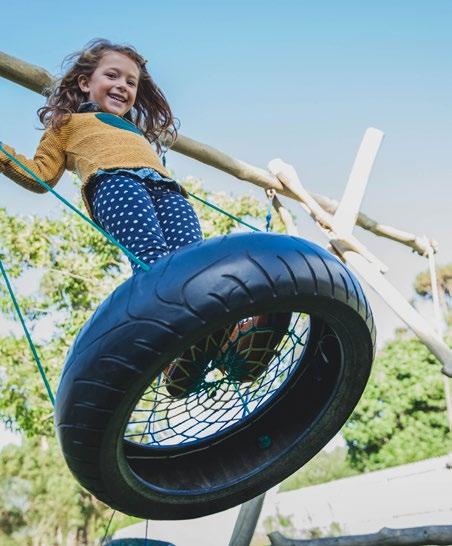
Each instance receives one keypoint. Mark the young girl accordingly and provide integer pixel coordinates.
(100, 121)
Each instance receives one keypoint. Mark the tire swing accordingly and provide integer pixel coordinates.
(233, 429)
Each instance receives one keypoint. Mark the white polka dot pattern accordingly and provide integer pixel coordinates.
(150, 218)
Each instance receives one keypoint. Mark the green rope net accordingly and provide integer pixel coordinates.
(200, 396)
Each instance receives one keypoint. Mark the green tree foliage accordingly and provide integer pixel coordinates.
(44, 504)
(423, 285)
(76, 269)
(401, 417)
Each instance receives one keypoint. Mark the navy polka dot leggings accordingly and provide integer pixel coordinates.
(150, 218)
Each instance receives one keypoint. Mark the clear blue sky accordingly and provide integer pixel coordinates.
(262, 79)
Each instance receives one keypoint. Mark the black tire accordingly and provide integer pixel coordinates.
(153, 317)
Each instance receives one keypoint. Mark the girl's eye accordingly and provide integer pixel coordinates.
(111, 75)
(132, 84)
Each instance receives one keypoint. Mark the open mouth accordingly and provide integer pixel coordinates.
(118, 99)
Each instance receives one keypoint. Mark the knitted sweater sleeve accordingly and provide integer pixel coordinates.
(48, 163)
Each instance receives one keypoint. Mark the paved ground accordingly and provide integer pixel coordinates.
(405, 496)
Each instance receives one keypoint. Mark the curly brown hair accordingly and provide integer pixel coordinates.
(151, 112)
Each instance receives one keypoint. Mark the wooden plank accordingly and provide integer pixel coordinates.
(345, 217)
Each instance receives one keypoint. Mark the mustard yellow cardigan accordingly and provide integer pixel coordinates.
(87, 143)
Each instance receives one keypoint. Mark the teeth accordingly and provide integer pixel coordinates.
(117, 98)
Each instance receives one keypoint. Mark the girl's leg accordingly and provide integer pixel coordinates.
(124, 208)
(177, 218)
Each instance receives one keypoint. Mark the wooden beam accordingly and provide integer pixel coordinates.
(288, 176)
(439, 535)
(39, 80)
(28, 75)
(402, 308)
(286, 218)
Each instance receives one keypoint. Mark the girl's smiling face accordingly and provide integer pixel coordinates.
(113, 85)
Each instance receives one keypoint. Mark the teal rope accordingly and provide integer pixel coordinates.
(244, 401)
(236, 218)
(77, 211)
(27, 334)
(129, 254)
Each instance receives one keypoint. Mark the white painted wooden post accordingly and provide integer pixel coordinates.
(439, 320)
(344, 219)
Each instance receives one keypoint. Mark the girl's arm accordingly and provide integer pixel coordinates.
(48, 163)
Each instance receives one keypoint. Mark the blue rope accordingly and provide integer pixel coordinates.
(268, 218)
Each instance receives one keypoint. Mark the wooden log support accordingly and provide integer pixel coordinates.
(286, 217)
(419, 244)
(439, 535)
(414, 320)
(28, 75)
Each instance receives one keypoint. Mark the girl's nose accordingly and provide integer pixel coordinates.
(120, 84)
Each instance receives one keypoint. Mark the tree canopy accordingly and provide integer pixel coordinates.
(401, 417)
(423, 285)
